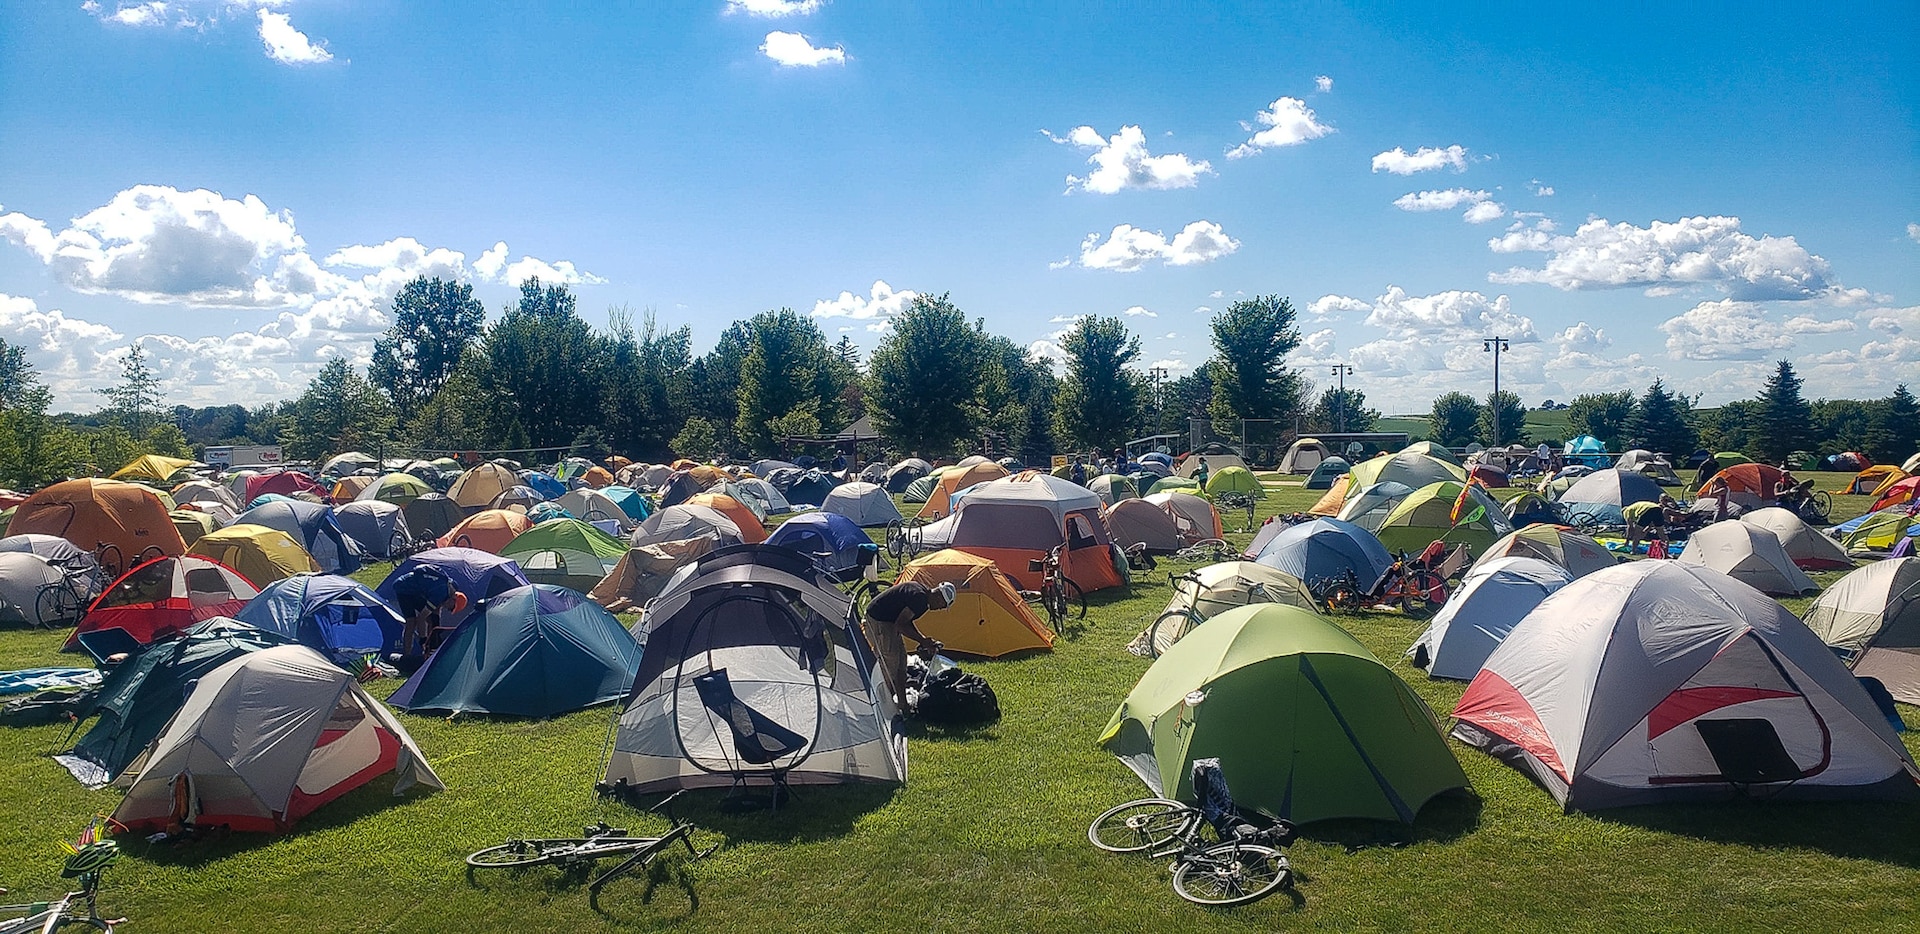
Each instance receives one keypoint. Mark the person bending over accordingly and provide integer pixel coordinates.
(424, 594)
(891, 618)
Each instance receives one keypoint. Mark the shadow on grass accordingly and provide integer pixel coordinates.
(1446, 818)
(631, 899)
(953, 732)
(1879, 831)
(212, 845)
(810, 814)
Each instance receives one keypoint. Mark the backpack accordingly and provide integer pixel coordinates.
(955, 696)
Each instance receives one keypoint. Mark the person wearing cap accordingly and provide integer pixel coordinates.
(423, 594)
(890, 619)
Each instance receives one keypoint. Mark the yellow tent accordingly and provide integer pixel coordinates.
(262, 555)
(987, 617)
(151, 467)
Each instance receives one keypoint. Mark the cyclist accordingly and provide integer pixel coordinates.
(423, 594)
(891, 616)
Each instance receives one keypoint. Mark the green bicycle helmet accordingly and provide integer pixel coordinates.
(90, 859)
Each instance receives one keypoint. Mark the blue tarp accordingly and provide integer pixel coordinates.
(536, 651)
(29, 680)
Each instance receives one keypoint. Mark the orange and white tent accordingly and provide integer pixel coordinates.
(988, 618)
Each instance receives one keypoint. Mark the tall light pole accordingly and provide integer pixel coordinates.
(1341, 371)
(1495, 346)
(1159, 375)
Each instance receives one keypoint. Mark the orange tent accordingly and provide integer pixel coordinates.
(752, 530)
(939, 502)
(1749, 486)
(597, 477)
(1335, 497)
(683, 464)
(1899, 494)
(707, 474)
(96, 514)
(488, 530)
(988, 618)
(349, 487)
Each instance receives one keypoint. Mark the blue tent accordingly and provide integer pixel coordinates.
(1327, 471)
(314, 527)
(335, 616)
(535, 651)
(630, 502)
(478, 574)
(1325, 549)
(1587, 450)
(546, 485)
(831, 539)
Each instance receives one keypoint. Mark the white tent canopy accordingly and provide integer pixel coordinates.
(1809, 549)
(1495, 596)
(867, 504)
(1871, 618)
(1749, 554)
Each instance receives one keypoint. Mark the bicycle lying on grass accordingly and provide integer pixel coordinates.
(86, 864)
(1242, 864)
(600, 842)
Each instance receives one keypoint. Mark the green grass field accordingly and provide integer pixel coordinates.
(1541, 426)
(988, 835)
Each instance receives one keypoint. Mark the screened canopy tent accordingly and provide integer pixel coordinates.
(1871, 619)
(1306, 723)
(753, 675)
(335, 616)
(1654, 682)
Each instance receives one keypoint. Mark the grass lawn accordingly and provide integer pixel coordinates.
(988, 835)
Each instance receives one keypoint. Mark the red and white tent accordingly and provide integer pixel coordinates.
(1654, 682)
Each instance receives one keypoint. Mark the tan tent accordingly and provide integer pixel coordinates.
(940, 501)
(1578, 553)
(1302, 456)
(1810, 550)
(477, 487)
(1215, 463)
(644, 570)
(1193, 516)
(1871, 618)
(1749, 554)
(1137, 522)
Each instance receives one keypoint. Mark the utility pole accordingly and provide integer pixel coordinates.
(1159, 375)
(1341, 371)
(1495, 346)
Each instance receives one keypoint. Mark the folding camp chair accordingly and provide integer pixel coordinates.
(757, 739)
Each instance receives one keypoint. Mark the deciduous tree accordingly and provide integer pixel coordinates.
(1603, 415)
(1454, 419)
(923, 381)
(1251, 340)
(340, 411)
(1100, 396)
(434, 321)
(1503, 409)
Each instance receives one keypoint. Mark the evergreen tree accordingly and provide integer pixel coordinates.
(1783, 421)
(714, 386)
(1895, 432)
(644, 397)
(1251, 340)
(434, 321)
(1512, 420)
(1100, 397)
(135, 403)
(923, 381)
(1603, 415)
(1659, 424)
(1326, 414)
(1454, 420)
(1843, 424)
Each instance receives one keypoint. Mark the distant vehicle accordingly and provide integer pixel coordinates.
(231, 455)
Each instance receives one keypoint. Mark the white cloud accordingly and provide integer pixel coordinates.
(1467, 315)
(1328, 306)
(492, 266)
(1913, 232)
(1724, 330)
(1440, 200)
(139, 14)
(792, 50)
(1425, 159)
(1539, 190)
(1695, 250)
(1485, 211)
(1170, 335)
(1322, 342)
(1170, 364)
(1807, 324)
(1893, 320)
(28, 232)
(287, 45)
(1323, 84)
(1521, 238)
(1060, 263)
(1288, 122)
(1583, 337)
(773, 8)
(1128, 248)
(1139, 310)
(1202, 310)
(1046, 350)
(1122, 162)
(878, 307)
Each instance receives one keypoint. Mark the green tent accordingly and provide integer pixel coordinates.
(568, 552)
(1878, 531)
(1165, 484)
(1425, 516)
(1731, 458)
(919, 490)
(1439, 452)
(1233, 480)
(1307, 724)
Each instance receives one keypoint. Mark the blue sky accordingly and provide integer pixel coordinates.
(1628, 192)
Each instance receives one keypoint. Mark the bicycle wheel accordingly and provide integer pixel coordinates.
(1169, 628)
(1418, 590)
(1231, 874)
(863, 595)
(82, 924)
(1821, 505)
(1054, 601)
(896, 542)
(1141, 825)
(1075, 599)
(517, 853)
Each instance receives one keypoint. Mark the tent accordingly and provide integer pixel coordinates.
(1899, 493)
(328, 737)
(765, 466)
(1326, 472)
(1912, 464)
(635, 506)
(163, 597)
(644, 571)
(1133, 522)
(803, 487)
(905, 472)
(1206, 592)
(1577, 553)
(191, 524)
(1217, 460)
(1877, 531)
(1587, 450)
(676, 523)
(1193, 516)
(752, 529)
(1306, 723)
(830, 539)
(594, 505)
(1526, 507)
(122, 523)
(1612, 487)
(1810, 550)
(1435, 450)
(1874, 480)
(379, 530)
(542, 484)
(1234, 480)
(867, 504)
(1303, 456)
(396, 488)
(1488, 476)
(1750, 554)
(313, 527)
(753, 673)
(1330, 503)
(1425, 516)
(288, 483)
(1326, 549)
(940, 498)
(758, 495)
(536, 651)
(205, 491)
(596, 477)
(152, 467)
(1871, 619)
(478, 574)
(1020, 518)
(1413, 469)
(477, 487)
(140, 695)
(487, 530)
(1172, 484)
(339, 465)
(1749, 486)
(566, 552)
(432, 516)
(260, 554)
(1477, 617)
(1655, 681)
(1649, 465)
(333, 615)
(988, 617)
(85, 575)
(1369, 506)
(36, 592)
(919, 489)
(1112, 488)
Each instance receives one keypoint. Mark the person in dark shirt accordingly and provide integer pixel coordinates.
(891, 619)
(423, 594)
